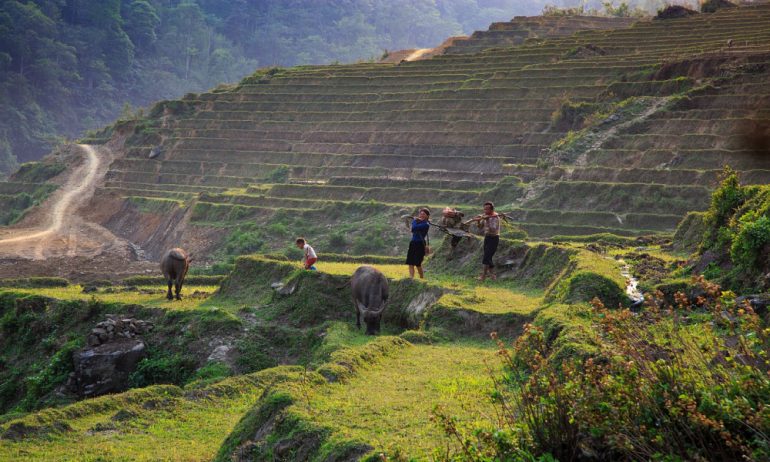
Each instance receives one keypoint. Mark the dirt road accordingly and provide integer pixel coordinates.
(55, 240)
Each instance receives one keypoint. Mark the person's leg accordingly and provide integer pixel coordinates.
(494, 242)
(419, 271)
(411, 271)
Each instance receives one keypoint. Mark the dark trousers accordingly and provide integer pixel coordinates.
(490, 247)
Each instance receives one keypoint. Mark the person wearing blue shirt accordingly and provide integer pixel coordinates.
(419, 242)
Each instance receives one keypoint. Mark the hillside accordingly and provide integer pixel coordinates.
(70, 67)
(620, 131)
(604, 335)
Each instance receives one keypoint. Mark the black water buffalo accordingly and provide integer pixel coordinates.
(370, 294)
(174, 266)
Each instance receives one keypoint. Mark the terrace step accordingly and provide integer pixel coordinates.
(261, 170)
(181, 179)
(241, 139)
(387, 182)
(166, 188)
(621, 197)
(237, 128)
(403, 115)
(274, 149)
(679, 157)
(536, 219)
(664, 176)
(386, 195)
(645, 141)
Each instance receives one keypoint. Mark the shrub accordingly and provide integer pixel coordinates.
(244, 240)
(737, 231)
(681, 382)
(711, 6)
(338, 242)
(278, 175)
(673, 12)
(750, 241)
(571, 115)
(724, 202)
(212, 371)
(38, 172)
(52, 375)
(162, 367)
(552, 10)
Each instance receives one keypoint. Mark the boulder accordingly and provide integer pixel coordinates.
(105, 368)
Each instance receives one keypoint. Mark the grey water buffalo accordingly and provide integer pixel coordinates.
(174, 266)
(369, 288)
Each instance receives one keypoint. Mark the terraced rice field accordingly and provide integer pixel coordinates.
(448, 130)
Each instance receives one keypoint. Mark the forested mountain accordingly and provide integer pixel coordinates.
(71, 65)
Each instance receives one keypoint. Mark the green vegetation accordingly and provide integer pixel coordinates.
(737, 232)
(27, 188)
(672, 378)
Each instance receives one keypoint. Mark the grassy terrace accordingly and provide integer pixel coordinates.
(390, 404)
(152, 296)
(156, 423)
(384, 390)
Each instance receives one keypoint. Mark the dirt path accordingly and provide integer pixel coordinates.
(55, 240)
(417, 54)
(73, 190)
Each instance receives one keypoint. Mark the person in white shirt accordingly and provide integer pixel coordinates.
(309, 257)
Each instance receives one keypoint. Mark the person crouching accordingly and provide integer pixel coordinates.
(309, 257)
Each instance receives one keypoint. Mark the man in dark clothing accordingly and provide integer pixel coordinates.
(490, 222)
(417, 245)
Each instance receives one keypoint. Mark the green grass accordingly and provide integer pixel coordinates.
(163, 423)
(347, 269)
(389, 404)
(193, 297)
(493, 300)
